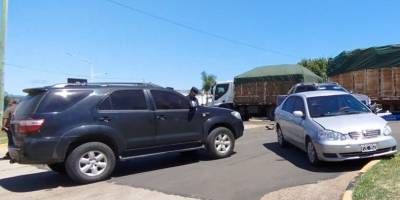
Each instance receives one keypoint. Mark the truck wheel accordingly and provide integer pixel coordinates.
(220, 143)
(58, 168)
(90, 162)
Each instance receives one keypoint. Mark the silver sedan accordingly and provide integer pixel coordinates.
(332, 126)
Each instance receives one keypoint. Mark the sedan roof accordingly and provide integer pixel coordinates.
(320, 93)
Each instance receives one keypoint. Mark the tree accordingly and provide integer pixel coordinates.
(317, 65)
(208, 81)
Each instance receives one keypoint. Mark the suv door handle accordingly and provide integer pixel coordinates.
(104, 119)
(161, 117)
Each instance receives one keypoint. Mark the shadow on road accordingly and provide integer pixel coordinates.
(299, 158)
(152, 163)
(50, 180)
(35, 182)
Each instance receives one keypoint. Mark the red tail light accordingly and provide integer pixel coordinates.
(29, 126)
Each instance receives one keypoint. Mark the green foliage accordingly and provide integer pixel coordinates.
(381, 182)
(317, 65)
(208, 81)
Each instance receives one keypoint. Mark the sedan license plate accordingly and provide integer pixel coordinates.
(368, 147)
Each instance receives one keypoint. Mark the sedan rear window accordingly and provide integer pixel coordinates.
(326, 106)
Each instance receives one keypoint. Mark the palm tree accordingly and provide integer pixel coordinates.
(208, 80)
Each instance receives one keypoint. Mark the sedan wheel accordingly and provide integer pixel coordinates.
(312, 153)
(281, 140)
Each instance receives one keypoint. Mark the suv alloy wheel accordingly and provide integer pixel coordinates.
(90, 162)
(220, 142)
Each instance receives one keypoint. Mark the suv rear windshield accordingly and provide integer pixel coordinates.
(28, 104)
(61, 99)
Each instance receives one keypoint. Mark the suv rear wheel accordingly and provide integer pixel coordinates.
(90, 162)
(220, 142)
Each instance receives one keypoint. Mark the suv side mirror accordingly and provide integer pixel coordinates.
(298, 114)
(193, 104)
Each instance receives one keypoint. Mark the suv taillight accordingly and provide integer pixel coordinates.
(29, 126)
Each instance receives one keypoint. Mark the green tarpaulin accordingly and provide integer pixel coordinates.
(370, 58)
(278, 72)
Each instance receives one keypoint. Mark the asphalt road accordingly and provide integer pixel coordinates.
(259, 166)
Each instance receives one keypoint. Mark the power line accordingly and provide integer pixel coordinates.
(24, 67)
(41, 70)
(198, 30)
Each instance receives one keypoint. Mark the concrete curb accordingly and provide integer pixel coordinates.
(348, 194)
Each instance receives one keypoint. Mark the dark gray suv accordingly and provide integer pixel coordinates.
(83, 130)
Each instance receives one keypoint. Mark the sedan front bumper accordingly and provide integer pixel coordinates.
(351, 149)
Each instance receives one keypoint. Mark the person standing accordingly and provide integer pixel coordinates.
(192, 95)
(8, 113)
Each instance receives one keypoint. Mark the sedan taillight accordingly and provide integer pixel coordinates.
(29, 126)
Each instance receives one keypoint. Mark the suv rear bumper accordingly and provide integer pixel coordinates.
(35, 151)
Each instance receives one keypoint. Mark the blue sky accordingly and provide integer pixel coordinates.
(128, 46)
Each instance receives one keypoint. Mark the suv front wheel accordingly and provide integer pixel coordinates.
(220, 142)
(90, 162)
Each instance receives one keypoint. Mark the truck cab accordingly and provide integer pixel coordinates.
(223, 94)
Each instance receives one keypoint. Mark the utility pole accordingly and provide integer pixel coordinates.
(3, 30)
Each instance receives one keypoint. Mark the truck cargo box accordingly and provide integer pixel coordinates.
(373, 71)
(262, 85)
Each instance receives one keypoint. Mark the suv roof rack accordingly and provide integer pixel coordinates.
(105, 84)
(124, 84)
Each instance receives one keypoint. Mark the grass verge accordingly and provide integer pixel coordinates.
(381, 182)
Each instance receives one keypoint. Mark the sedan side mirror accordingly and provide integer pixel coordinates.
(298, 114)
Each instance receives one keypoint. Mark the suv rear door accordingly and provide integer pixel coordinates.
(127, 111)
(176, 123)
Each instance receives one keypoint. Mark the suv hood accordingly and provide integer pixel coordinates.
(350, 123)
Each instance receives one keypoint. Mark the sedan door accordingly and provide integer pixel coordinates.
(176, 123)
(298, 122)
(286, 119)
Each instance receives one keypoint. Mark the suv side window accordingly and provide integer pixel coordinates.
(61, 99)
(166, 100)
(124, 100)
(288, 105)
